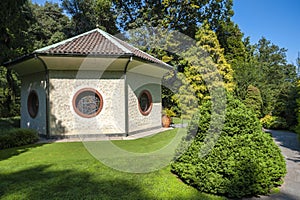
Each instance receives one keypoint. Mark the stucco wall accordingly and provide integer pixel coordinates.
(34, 82)
(64, 120)
(136, 84)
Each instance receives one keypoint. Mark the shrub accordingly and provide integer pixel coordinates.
(17, 137)
(253, 100)
(244, 161)
(11, 122)
(274, 122)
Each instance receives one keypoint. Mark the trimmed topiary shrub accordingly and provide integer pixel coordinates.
(253, 100)
(273, 122)
(244, 161)
(17, 137)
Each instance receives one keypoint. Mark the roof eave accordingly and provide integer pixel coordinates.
(162, 64)
(19, 60)
(35, 54)
(127, 55)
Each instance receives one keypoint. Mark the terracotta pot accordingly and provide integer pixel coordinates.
(166, 121)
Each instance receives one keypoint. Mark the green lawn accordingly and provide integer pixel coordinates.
(177, 120)
(68, 171)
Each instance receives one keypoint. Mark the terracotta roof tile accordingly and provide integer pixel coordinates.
(97, 42)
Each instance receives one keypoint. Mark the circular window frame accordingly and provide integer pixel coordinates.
(149, 96)
(78, 112)
(31, 108)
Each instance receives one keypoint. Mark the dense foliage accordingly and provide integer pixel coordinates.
(264, 67)
(273, 122)
(17, 137)
(26, 26)
(244, 161)
(298, 106)
(184, 16)
(87, 14)
(206, 69)
(11, 122)
(253, 100)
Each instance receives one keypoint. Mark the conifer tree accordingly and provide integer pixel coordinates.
(206, 71)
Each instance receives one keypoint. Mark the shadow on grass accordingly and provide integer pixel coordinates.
(43, 183)
(8, 153)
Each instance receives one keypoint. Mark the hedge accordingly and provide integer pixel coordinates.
(11, 122)
(17, 137)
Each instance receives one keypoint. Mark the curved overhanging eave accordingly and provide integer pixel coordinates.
(30, 64)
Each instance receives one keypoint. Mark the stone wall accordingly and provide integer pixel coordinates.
(64, 119)
(34, 82)
(136, 84)
(63, 85)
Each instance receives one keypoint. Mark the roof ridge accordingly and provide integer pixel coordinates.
(114, 41)
(137, 49)
(63, 42)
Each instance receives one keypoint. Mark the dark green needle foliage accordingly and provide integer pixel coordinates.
(243, 162)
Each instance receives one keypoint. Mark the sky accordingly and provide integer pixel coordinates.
(276, 20)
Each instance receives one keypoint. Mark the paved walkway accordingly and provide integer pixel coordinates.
(104, 137)
(290, 147)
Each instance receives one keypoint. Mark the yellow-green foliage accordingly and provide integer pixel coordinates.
(207, 39)
(207, 70)
(273, 122)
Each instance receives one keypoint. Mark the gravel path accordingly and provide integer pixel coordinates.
(290, 147)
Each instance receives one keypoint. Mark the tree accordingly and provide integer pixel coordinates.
(231, 40)
(208, 42)
(298, 64)
(207, 39)
(15, 18)
(265, 67)
(277, 74)
(206, 71)
(184, 16)
(88, 14)
(26, 27)
(246, 70)
(51, 25)
(298, 108)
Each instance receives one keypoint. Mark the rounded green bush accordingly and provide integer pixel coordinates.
(244, 160)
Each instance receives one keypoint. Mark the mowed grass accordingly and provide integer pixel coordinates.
(68, 171)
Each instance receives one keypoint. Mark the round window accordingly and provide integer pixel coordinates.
(145, 102)
(33, 104)
(87, 103)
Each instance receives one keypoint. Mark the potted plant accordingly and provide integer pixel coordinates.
(167, 113)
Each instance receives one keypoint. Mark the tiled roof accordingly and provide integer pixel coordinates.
(96, 42)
